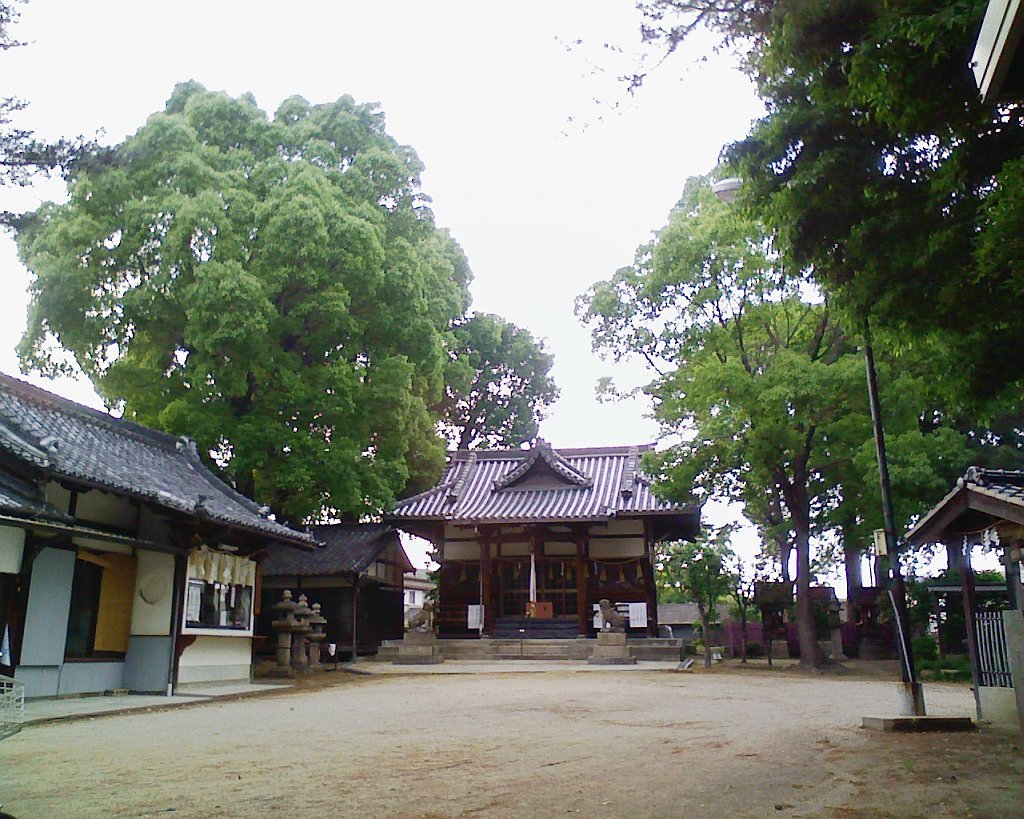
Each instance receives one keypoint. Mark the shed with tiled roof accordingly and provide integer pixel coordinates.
(357, 576)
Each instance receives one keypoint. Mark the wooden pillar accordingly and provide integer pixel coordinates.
(652, 588)
(486, 593)
(970, 607)
(355, 616)
(581, 582)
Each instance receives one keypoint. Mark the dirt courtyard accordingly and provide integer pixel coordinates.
(729, 742)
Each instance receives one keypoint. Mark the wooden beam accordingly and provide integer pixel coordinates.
(485, 585)
(581, 582)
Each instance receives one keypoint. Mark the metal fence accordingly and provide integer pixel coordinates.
(993, 658)
(12, 706)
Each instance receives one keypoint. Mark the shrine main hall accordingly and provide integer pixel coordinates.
(530, 540)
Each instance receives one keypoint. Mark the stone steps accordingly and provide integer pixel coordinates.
(652, 649)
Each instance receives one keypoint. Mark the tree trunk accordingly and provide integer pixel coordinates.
(852, 556)
(785, 551)
(954, 555)
(743, 630)
(705, 626)
(800, 511)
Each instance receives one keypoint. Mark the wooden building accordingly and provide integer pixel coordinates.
(529, 540)
(356, 577)
(987, 506)
(124, 562)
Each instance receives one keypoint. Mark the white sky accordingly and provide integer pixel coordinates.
(545, 171)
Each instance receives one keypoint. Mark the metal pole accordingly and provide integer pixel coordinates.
(895, 575)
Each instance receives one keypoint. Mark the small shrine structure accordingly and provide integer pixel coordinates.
(531, 540)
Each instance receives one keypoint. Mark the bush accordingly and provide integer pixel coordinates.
(755, 649)
(925, 647)
(955, 668)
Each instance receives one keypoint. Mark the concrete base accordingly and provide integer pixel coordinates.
(918, 724)
(611, 649)
(911, 699)
(418, 648)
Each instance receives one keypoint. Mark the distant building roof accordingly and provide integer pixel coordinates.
(68, 441)
(346, 548)
(981, 498)
(542, 485)
(678, 614)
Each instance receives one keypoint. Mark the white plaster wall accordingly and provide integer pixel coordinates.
(461, 551)
(154, 594)
(58, 496)
(102, 507)
(103, 546)
(624, 527)
(999, 706)
(153, 528)
(617, 547)
(12, 546)
(216, 659)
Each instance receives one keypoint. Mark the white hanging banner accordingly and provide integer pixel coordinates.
(475, 618)
(533, 578)
(638, 615)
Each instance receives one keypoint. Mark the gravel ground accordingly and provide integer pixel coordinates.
(724, 742)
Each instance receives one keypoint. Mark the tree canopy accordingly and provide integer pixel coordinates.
(878, 165)
(273, 286)
(498, 384)
(760, 389)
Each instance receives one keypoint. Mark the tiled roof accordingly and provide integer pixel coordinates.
(1004, 486)
(25, 499)
(70, 441)
(346, 548)
(594, 484)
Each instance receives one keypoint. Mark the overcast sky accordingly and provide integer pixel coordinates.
(542, 166)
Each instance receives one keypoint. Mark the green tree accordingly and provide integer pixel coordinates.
(753, 375)
(880, 167)
(742, 590)
(498, 384)
(697, 570)
(274, 287)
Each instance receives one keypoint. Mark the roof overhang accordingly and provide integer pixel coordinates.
(998, 67)
(965, 510)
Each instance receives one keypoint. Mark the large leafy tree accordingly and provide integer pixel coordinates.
(880, 166)
(753, 374)
(764, 389)
(498, 384)
(274, 287)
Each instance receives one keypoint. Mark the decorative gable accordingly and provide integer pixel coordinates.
(543, 468)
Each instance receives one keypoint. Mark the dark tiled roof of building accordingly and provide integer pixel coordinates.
(346, 548)
(69, 441)
(594, 484)
(1005, 488)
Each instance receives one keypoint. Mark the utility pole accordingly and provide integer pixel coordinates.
(896, 588)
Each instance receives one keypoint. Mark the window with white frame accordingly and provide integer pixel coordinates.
(219, 592)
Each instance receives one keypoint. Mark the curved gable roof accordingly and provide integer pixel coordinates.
(593, 484)
(70, 441)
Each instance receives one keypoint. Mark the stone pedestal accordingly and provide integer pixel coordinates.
(418, 648)
(780, 650)
(611, 649)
